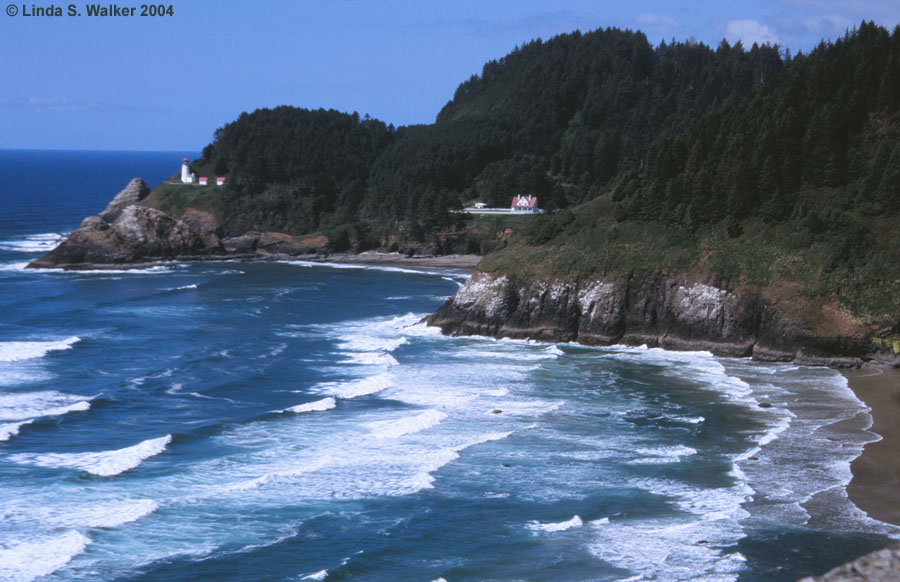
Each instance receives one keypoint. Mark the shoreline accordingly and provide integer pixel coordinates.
(466, 263)
(462, 262)
(875, 486)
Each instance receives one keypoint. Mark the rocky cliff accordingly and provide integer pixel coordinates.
(660, 310)
(128, 232)
(125, 232)
(880, 566)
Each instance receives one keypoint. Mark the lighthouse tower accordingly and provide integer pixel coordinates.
(186, 176)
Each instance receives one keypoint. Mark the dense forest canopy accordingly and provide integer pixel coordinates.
(684, 135)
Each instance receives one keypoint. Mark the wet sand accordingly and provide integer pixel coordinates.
(875, 487)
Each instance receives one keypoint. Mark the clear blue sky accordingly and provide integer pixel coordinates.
(168, 83)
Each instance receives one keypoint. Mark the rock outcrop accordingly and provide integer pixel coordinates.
(126, 232)
(658, 310)
(880, 566)
(134, 192)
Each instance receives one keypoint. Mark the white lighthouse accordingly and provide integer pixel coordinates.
(186, 176)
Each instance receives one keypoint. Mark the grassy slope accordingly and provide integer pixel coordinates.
(174, 199)
(782, 260)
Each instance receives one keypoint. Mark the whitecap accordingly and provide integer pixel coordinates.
(182, 288)
(103, 464)
(555, 527)
(320, 575)
(25, 561)
(660, 455)
(389, 429)
(317, 406)
(26, 350)
(10, 430)
(18, 266)
(356, 388)
(28, 406)
(33, 243)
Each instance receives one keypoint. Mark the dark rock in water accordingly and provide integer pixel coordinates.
(765, 405)
(128, 232)
(880, 566)
(657, 310)
(124, 232)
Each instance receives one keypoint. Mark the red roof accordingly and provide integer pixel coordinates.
(524, 201)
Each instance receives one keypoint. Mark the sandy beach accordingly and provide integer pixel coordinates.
(875, 487)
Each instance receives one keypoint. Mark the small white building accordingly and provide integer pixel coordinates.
(204, 180)
(522, 203)
(480, 205)
(220, 181)
(187, 177)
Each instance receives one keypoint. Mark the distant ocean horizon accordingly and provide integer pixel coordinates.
(293, 421)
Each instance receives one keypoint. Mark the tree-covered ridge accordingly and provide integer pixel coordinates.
(585, 107)
(828, 122)
(294, 170)
(560, 119)
(701, 142)
(795, 189)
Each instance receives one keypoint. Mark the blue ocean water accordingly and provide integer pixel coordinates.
(293, 421)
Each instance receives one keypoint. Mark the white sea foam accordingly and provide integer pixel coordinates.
(29, 406)
(454, 275)
(104, 464)
(25, 561)
(660, 455)
(389, 429)
(276, 477)
(10, 430)
(182, 288)
(320, 575)
(16, 266)
(378, 358)
(317, 406)
(101, 513)
(26, 350)
(33, 243)
(356, 388)
(670, 550)
(556, 527)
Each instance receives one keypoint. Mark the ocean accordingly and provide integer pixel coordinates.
(238, 421)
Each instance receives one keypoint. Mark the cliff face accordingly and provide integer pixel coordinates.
(658, 310)
(127, 232)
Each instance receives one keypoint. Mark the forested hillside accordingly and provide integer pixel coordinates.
(795, 189)
(748, 164)
(561, 118)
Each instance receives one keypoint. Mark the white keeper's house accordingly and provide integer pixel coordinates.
(522, 203)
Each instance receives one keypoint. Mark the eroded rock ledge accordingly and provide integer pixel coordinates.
(127, 233)
(659, 310)
(880, 566)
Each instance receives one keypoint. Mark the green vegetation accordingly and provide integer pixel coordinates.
(176, 198)
(559, 119)
(750, 165)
